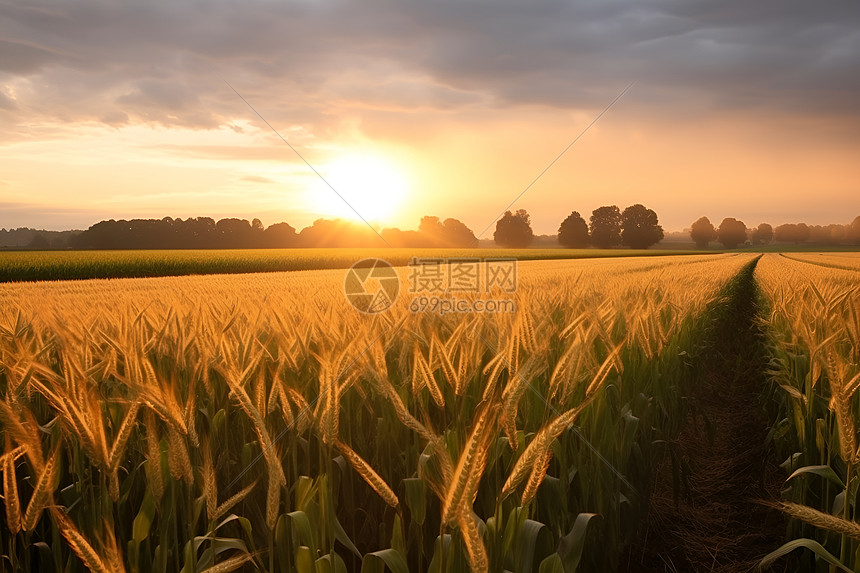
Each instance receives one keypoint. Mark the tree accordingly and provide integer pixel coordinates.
(448, 233)
(606, 227)
(792, 233)
(573, 232)
(639, 228)
(853, 231)
(703, 232)
(39, 242)
(433, 230)
(458, 234)
(762, 235)
(732, 232)
(828, 234)
(280, 235)
(514, 230)
(234, 233)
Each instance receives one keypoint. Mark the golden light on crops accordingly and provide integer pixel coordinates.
(367, 186)
(268, 399)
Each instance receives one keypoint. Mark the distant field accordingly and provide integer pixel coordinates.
(803, 248)
(74, 265)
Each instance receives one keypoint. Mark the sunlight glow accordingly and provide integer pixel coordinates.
(372, 184)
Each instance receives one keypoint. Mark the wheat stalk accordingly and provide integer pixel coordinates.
(478, 561)
(273, 498)
(536, 451)
(153, 455)
(231, 501)
(228, 565)
(820, 519)
(24, 433)
(11, 500)
(368, 474)
(81, 545)
(43, 492)
(177, 456)
(422, 373)
(123, 435)
(469, 468)
(329, 418)
(536, 477)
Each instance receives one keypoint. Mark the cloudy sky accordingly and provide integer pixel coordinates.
(124, 109)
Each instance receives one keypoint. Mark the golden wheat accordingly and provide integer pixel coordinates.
(369, 475)
(155, 364)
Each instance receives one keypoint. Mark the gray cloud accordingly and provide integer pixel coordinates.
(299, 62)
(19, 57)
(6, 102)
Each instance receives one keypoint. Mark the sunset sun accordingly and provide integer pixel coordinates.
(365, 186)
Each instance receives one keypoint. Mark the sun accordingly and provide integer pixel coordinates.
(364, 186)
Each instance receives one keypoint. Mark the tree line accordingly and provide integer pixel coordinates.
(731, 233)
(27, 238)
(232, 233)
(636, 227)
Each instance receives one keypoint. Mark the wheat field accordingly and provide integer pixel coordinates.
(813, 322)
(259, 422)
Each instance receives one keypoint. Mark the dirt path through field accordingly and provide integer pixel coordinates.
(717, 525)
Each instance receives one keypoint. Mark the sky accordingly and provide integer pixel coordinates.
(449, 108)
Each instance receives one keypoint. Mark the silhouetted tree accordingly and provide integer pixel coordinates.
(573, 232)
(280, 235)
(168, 233)
(433, 231)
(606, 227)
(39, 242)
(732, 232)
(639, 227)
(256, 239)
(234, 233)
(458, 234)
(762, 235)
(514, 230)
(23, 236)
(827, 234)
(853, 231)
(703, 232)
(196, 233)
(792, 233)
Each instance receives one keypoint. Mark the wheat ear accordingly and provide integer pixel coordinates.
(43, 492)
(369, 475)
(469, 468)
(79, 544)
(234, 499)
(820, 519)
(10, 489)
(478, 561)
(122, 436)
